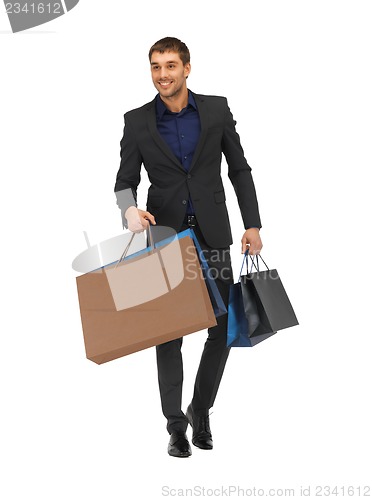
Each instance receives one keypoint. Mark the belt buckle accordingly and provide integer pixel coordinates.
(191, 220)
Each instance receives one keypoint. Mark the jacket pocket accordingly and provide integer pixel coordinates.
(219, 196)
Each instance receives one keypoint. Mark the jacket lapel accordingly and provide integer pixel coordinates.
(151, 121)
(204, 124)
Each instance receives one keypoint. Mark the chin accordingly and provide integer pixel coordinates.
(168, 93)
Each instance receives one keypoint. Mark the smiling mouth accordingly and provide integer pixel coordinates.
(165, 84)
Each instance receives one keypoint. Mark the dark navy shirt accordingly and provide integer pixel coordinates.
(181, 131)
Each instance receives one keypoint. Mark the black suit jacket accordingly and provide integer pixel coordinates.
(171, 184)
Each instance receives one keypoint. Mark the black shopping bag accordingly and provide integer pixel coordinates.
(237, 323)
(258, 306)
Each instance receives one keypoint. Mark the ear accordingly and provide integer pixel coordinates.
(187, 69)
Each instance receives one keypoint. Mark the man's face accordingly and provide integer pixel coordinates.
(168, 73)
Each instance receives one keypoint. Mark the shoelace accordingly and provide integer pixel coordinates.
(204, 424)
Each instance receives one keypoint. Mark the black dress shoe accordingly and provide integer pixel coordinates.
(201, 433)
(179, 445)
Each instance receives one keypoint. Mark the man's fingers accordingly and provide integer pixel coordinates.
(147, 215)
(255, 249)
(139, 220)
(244, 244)
(150, 217)
(136, 227)
(144, 222)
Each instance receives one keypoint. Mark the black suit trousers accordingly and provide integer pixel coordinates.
(213, 358)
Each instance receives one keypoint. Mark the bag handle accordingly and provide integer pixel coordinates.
(152, 245)
(245, 259)
(256, 266)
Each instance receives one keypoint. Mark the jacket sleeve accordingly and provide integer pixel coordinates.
(129, 173)
(239, 172)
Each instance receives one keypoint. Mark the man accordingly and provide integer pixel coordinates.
(179, 138)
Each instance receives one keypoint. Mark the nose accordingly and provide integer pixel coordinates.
(163, 72)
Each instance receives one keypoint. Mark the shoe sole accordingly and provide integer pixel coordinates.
(202, 447)
(186, 455)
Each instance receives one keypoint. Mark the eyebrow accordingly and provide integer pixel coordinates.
(167, 62)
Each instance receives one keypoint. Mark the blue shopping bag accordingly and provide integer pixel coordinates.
(237, 323)
(218, 304)
(239, 330)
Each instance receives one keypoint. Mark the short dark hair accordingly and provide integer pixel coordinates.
(171, 44)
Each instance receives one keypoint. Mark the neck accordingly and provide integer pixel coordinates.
(177, 102)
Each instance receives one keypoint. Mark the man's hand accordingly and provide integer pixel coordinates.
(138, 219)
(251, 240)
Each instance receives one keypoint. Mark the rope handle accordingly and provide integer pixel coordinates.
(256, 266)
(152, 246)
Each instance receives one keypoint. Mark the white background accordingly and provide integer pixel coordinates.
(295, 410)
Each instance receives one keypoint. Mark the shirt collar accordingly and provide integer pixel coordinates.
(161, 107)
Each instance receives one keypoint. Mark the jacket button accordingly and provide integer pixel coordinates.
(184, 202)
(189, 176)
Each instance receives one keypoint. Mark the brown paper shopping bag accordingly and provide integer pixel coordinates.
(137, 280)
(110, 333)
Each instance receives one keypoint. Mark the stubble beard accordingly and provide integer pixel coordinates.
(176, 92)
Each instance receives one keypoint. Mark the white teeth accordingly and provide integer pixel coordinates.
(164, 84)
